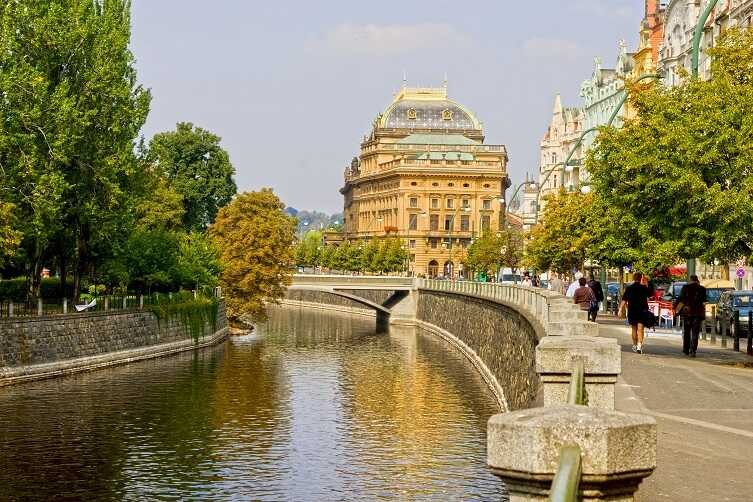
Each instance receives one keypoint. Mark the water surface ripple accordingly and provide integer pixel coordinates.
(313, 407)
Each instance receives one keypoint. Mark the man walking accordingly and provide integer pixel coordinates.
(556, 283)
(574, 285)
(690, 305)
(595, 286)
(635, 300)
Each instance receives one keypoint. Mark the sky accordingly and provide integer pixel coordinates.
(291, 87)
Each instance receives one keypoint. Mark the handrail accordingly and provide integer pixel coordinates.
(577, 392)
(566, 482)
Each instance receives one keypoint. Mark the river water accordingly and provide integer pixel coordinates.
(313, 406)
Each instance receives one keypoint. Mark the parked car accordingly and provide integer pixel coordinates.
(612, 295)
(730, 303)
(673, 291)
(506, 276)
(714, 290)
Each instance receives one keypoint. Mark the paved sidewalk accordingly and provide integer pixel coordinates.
(704, 411)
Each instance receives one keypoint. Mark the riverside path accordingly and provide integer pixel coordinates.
(704, 411)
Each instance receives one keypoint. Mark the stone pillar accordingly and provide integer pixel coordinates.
(618, 451)
(555, 357)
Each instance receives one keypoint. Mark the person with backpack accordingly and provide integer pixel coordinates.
(690, 305)
(635, 302)
(595, 286)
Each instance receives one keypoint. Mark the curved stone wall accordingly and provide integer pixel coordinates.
(500, 336)
(48, 346)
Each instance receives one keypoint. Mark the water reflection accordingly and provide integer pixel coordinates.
(313, 407)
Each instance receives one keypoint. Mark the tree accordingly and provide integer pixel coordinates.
(196, 167)
(560, 241)
(493, 250)
(394, 255)
(254, 238)
(71, 111)
(197, 264)
(681, 171)
(10, 237)
(309, 249)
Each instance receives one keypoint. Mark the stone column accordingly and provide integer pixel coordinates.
(555, 357)
(618, 451)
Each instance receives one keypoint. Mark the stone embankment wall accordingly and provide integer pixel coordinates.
(501, 337)
(324, 299)
(41, 347)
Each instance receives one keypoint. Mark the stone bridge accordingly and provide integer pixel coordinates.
(525, 343)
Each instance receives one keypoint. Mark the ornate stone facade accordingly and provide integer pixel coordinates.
(563, 132)
(425, 175)
(680, 22)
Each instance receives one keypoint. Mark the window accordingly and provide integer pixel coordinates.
(466, 204)
(555, 181)
(413, 222)
(449, 221)
(413, 183)
(413, 201)
(433, 243)
(485, 223)
(434, 222)
(435, 203)
(412, 257)
(466, 185)
(450, 203)
(465, 223)
(486, 185)
(486, 204)
(450, 184)
(412, 243)
(435, 184)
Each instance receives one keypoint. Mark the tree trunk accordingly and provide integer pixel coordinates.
(63, 259)
(81, 261)
(34, 275)
(724, 271)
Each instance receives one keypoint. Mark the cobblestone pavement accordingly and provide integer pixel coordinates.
(704, 411)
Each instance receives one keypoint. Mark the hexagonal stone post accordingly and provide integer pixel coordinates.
(618, 450)
(555, 356)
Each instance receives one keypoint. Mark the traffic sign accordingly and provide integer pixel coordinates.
(740, 273)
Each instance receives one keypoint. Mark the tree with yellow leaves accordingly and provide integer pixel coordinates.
(254, 238)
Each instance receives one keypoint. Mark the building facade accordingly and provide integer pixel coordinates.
(425, 175)
(679, 25)
(522, 210)
(565, 128)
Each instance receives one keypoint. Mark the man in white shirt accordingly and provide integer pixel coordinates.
(574, 285)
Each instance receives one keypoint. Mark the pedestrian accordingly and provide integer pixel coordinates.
(584, 296)
(574, 285)
(556, 284)
(527, 279)
(690, 305)
(535, 281)
(635, 301)
(595, 286)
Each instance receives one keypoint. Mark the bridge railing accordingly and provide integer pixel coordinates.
(546, 306)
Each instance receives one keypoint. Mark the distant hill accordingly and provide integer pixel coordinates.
(314, 220)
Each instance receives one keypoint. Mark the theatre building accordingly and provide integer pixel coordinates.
(425, 175)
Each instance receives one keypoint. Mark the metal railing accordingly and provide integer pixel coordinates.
(566, 482)
(104, 303)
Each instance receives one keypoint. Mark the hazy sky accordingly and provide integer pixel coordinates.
(292, 86)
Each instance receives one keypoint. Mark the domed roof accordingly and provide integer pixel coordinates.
(427, 108)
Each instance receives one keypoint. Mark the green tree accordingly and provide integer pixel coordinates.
(197, 263)
(370, 259)
(196, 167)
(255, 240)
(560, 241)
(493, 250)
(10, 236)
(395, 256)
(308, 251)
(682, 170)
(71, 111)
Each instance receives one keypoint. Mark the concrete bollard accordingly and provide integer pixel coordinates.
(10, 309)
(601, 357)
(618, 451)
(65, 305)
(40, 307)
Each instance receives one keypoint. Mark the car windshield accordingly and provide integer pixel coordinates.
(612, 288)
(510, 278)
(677, 288)
(742, 300)
(712, 295)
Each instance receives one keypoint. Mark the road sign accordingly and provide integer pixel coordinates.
(740, 273)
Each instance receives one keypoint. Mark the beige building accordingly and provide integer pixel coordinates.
(425, 175)
(561, 136)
